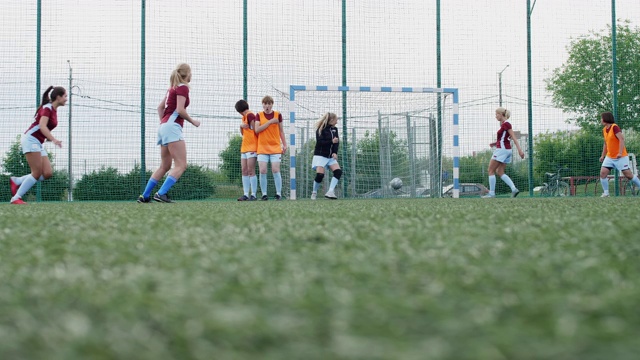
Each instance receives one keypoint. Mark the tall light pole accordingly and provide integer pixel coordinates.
(70, 191)
(70, 145)
(500, 85)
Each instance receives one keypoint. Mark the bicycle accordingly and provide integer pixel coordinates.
(555, 186)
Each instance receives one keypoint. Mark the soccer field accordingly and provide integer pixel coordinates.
(348, 279)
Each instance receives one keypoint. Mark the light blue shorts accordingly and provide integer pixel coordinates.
(168, 133)
(248, 155)
(620, 164)
(502, 155)
(321, 161)
(30, 144)
(274, 158)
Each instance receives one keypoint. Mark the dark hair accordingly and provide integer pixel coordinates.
(242, 106)
(50, 95)
(608, 117)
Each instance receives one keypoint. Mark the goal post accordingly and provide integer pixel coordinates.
(314, 109)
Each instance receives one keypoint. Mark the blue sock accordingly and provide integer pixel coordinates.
(277, 179)
(333, 184)
(316, 186)
(263, 184)
(605, 185)
(41, 178)
(149, 188)
(636, 181)
(254, 184)
(167, 185)
(492, 184)
(24, 187)
(245, 185)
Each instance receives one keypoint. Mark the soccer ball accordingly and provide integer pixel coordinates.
(396, 183)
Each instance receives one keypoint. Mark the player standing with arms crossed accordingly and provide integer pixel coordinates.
(271, 145)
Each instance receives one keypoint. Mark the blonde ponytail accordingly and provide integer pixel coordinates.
(503, 111)
(180, 75)
(324, 121)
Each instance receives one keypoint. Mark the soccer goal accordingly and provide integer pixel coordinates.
(394, 141)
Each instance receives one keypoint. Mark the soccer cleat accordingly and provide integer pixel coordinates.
(14, 186)
(330, 195)
(243, 198)
(488, 196)
(515, 193)
(162, 198)
(264, 198)
(143, 200)
(604, 195)
(278, 197)
(314, 195)
(18, 202)
(252, 198)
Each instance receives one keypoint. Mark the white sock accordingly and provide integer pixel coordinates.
(253, 180)
(277, 180)
(508, 181)
(245, 185)
(24, 187)
(333, 184)
(492, 184)
(263, 184)
(316, 186)
(636, 181)
(605, 185)
(19, 179)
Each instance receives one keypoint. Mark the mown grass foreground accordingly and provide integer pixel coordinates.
(347, 279)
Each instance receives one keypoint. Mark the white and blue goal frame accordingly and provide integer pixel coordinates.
(292, 123)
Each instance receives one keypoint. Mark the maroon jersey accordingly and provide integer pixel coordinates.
(504, 139)
(48, 111)
(171, 104)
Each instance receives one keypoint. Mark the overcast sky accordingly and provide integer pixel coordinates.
(389, 43)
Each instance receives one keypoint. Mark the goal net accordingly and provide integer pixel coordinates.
(387, 133)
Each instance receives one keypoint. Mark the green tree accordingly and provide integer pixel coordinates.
(582, 85)
(231, 160)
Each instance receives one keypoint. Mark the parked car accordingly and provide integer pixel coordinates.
(466, 190)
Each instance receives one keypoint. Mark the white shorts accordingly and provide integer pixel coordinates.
(502, 155)
(168, 133)
(620, 164)
(30, 144)
(274, 158)
(248, 155)
(321, 161)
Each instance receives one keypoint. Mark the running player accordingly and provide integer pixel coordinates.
(614, 153)
(502, 154)
(172, 113)
(46, 119)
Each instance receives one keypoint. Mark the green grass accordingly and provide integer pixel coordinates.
(369, 279)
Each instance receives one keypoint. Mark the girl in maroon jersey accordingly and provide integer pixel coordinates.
(45, 120)
(172, 113)
(502, 154)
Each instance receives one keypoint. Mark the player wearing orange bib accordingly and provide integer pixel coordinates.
(248, 151)
(614, 153)
(271, 145)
